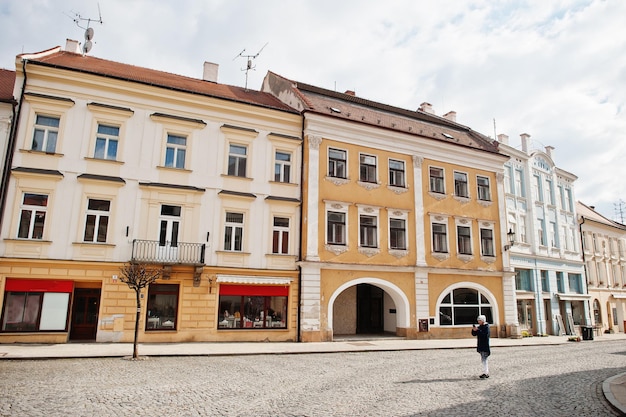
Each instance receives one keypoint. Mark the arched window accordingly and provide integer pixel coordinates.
(461, 306)
(597, 315)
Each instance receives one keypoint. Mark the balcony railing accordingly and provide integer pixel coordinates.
(153, 251)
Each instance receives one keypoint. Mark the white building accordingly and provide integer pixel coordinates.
(551, 291)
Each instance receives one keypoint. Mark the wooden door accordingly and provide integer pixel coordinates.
(85, 314)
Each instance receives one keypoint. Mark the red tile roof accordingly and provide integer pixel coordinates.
(7, 81)
(96, 66)
(413, 122)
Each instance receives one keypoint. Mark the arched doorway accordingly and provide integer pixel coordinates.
(368, 306)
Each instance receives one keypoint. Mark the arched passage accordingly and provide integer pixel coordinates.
(397, 296)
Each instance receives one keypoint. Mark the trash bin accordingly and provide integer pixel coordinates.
(587, 332)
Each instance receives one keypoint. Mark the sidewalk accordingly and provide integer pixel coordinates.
(614, 388)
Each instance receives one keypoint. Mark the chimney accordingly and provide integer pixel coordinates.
(210, 72)
(502, 138)
(549, 150)
(426, 108)
(350, 93)
(72, 46)
(451, 115)
(525, 137)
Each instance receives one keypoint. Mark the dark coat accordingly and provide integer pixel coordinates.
(482, 341)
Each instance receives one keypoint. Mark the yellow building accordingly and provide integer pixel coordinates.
(402, 214)
(114, 163)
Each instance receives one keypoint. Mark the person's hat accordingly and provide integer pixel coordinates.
(482, 318)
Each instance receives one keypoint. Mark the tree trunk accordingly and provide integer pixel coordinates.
(135, 352)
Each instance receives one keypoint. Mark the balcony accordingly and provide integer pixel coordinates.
(153, 251)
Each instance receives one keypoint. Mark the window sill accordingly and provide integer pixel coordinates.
(399, 253)
(369, 252)
(291, 184)
(336, 249)
(31, 241)
(110, 245)
(488, 259)
(461, 199)
(236, 177)
(173, 169)
(442, 256)
(35, 152)
(108, 161)
(437, 196)
(337, 180)
(398, 190)
(485, 203)
(368, 185)
(465, 257)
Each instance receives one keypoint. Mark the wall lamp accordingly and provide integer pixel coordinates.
(510, 238)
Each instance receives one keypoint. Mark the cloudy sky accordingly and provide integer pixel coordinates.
(555, 69)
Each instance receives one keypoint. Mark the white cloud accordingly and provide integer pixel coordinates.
(555, 70)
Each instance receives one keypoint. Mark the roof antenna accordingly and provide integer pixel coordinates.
(249, 66)
(88, 30)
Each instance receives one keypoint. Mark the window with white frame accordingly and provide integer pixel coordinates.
(565, 238)
(519, 183)
(368, 231)
(537, 189)
(568, 199)
(396, 173)
(336, 228)
(464, 239)
(561, 196)
(553, 235)
(367, 168)
(233, 232)
(175, 150)
(460, 184)
(169, 225)
(440, 237)
(97, 220)
(541, 235)
(436, 180)
(107, 139)
(337, 161)
(521, 231)
(549, 192)
(280, 235)
(486, 242)
(45, 134)
(461, 306)
(508, 178)
(237, 160)
(397, 234)
(484, 191)
(282, 167)
(32, 216)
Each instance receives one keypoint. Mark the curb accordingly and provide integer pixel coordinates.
(610, 397)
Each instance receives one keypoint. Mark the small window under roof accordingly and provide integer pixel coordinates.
(335, 110)
(448, 136)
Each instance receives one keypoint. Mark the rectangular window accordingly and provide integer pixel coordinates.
(519, 183)
(175, 151)
(484, 193)
(282, 167)
(397, 234)
(560, 283)
(367, 168)
(233, 234)
(32, 216)
(106, 142)
(486, 242)
(436, 180)
(549, 192)
(367, 231)
(162, 307)
(440, 238)
(396, 173)
(568, 200)
(46, 134)
(337, 163)
(522, 229)
(237, 159)
(460, 184)
(553, 235)
(541, 236)
(575, 283)
(97, 220)
(537, 189)
(545, 281)
(253, 307)
(36, 305)
(508, 178)
(280, 235)
(169, 226)
(336, 228)
(523, 280)
(464, 239)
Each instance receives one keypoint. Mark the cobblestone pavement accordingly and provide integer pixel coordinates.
(561, 380)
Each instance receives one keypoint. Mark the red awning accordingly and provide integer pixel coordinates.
(38, 285)
(254, 290)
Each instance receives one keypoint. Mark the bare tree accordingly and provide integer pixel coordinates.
(138, 276)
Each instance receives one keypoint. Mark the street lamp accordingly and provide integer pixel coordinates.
(510, 238)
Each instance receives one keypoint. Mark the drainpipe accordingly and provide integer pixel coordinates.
(8, 161)
(582, 250)
(298, 329)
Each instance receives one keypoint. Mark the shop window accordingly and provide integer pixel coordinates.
(36, 305)
(253, 307)
(461, 306)
(162, 307)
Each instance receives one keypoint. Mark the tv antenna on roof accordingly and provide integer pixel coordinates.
(249, 65)
(88, 30)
